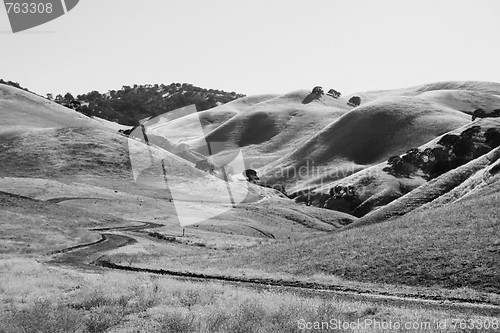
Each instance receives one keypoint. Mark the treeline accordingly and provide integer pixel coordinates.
(130, 104)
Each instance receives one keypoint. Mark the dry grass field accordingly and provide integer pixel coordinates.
(40, 298)
(65, 178)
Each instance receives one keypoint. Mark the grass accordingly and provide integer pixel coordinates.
(90, 163)
(451, 249)
(367, 135)
(454, 246)
(54, 153)
(58, 300)
(31, 227)
(21, 111)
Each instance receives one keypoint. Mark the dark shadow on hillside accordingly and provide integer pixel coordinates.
(309, 98)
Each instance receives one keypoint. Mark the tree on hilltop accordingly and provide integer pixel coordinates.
(354, 101)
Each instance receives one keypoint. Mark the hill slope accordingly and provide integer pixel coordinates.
(366, 135)
(454, 246)
(21, 111)
(306, 142)
(185, 128)
(375, 187)
(270, 129)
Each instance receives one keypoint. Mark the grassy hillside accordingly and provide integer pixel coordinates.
(22, 111)
(324, 137)
(375, 187)
(367, 135)
(91, 169)
(447, 89)
(70, 151)
(31, 227)
(430, 191)
(272, 128)
(62, 173)
(454, 246)
(187, 128)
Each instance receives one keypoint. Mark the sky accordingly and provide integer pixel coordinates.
(256, 47)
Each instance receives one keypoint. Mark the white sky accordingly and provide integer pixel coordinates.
(255, 47)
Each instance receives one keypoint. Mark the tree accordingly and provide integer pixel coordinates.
(471, 132)
(440, 160)
(251, 175)
(354, 101)
(449, 140)
(478, 113)
(50, 97)
(68, 98)
(394, 160)
(318, 91)
(333, 93)
(492, 136)
(413, 156)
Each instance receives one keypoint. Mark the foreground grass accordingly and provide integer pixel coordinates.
(36, 298)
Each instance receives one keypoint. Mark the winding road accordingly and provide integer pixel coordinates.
(87, 257)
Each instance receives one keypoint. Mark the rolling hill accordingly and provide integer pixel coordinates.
(22, 111)
(84, 164)
(364, 136)
(414, 230)
(375, 187)
(267, 130)
(307, 142)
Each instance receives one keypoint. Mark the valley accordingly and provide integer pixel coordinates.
(166, 212)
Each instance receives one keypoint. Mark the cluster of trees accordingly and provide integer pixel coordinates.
(67, 100)
(452, 152)
(342, 198)
(132, 103)
(318, 92)
(13, 84)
